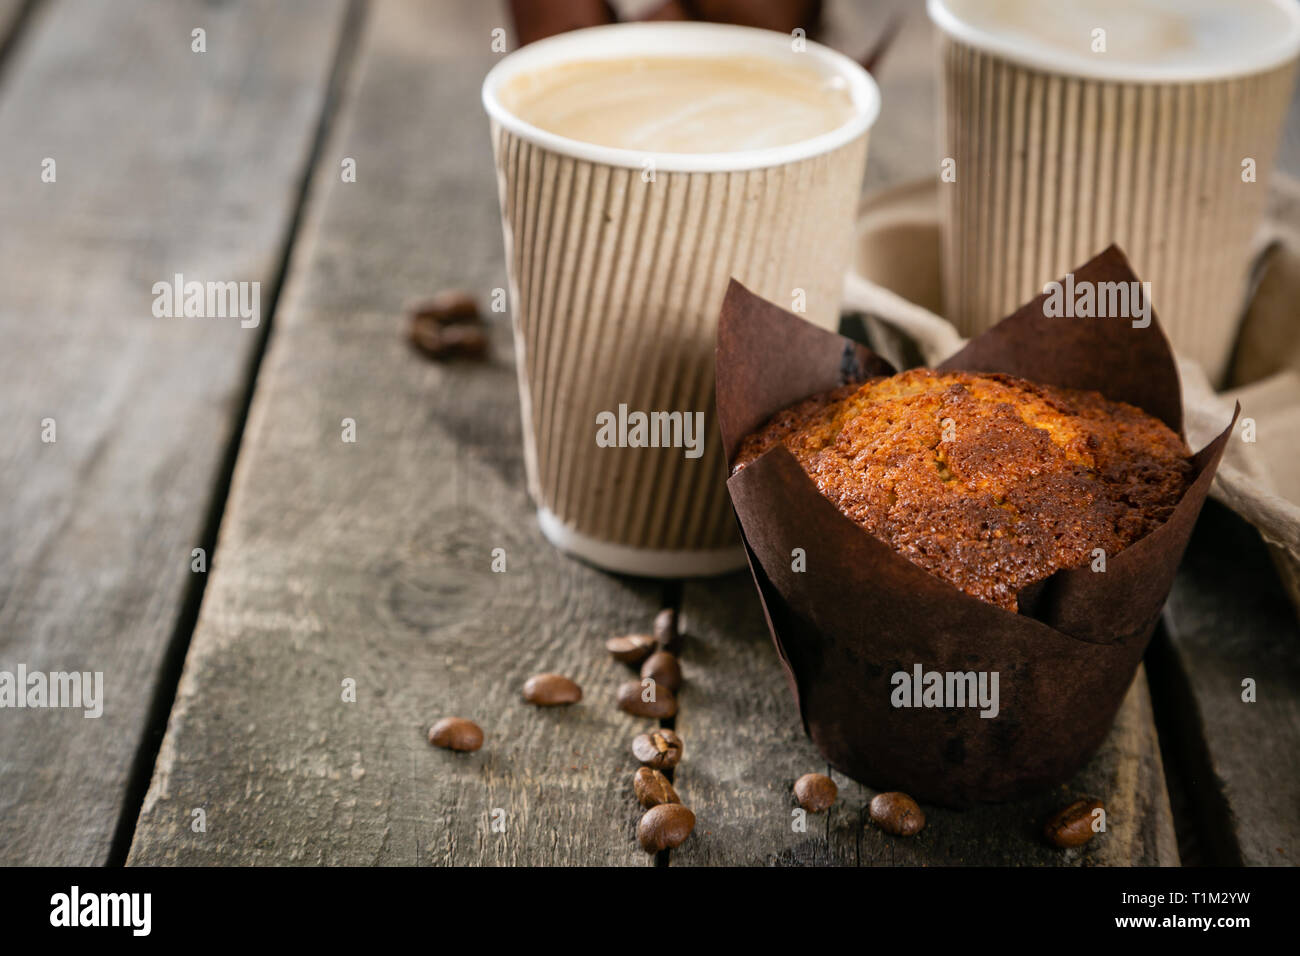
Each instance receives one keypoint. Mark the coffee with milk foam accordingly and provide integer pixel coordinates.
(1175, 34)
(681, 104)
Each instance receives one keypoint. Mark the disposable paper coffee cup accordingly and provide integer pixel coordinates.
(1058, 154)
(618, 261)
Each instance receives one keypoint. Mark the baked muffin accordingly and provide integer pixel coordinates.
(986, 480)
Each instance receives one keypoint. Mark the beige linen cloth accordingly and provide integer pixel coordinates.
(896, 280)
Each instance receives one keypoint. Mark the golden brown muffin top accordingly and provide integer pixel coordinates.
(986, 480)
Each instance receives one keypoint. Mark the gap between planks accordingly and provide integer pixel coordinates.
(174, 657)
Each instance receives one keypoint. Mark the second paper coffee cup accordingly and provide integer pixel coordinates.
(1073, 125)
(618, 258)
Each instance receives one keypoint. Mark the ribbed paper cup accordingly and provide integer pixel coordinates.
(1056, 157)
(616, 279)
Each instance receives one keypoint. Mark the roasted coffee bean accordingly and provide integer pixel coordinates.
(663, 669)
(446, 307)
(549, 690)
(456, 733)
(815, 792)
(661, 705)
(658, 749)
(439, 341)
(666, 633)
(652, 788)
(896, 813)
(1073, 825)
(631, 648)
(664, 827)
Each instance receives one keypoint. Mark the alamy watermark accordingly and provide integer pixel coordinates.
(208, 300)
(922, 688)
(75, 908)
(36, 689)
(624, 429)
(1098, 300)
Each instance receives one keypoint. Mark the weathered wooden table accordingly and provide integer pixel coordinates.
(330, 561)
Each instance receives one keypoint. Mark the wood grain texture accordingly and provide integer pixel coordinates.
(167, 161)
(372, 561)
(1228, 620)
(745, 747)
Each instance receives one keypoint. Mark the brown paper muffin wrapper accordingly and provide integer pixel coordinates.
(860, 612)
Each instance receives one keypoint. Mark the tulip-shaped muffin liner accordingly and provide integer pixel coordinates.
(847, 613)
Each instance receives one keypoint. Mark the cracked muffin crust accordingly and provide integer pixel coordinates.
(985, 480)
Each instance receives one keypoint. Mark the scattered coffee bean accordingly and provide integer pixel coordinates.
(666, 633)
(631, 700)
(631, 648)
(663, 668)
(664, 827)
(1073, 825)
(550, 690)
(896, 813)
(446, 307)
(652, 788)
(658, 749)
(815, 792)
(438, 341)
(456, 733)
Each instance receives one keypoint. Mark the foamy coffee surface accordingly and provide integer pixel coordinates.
(686, 104)
(1173, 34)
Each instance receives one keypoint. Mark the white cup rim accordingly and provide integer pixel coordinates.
(680, 39)
(1284, 49)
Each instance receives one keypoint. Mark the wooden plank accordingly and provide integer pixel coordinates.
(372, 560)
(1229, 620)
(745, 747)
(167, 161)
